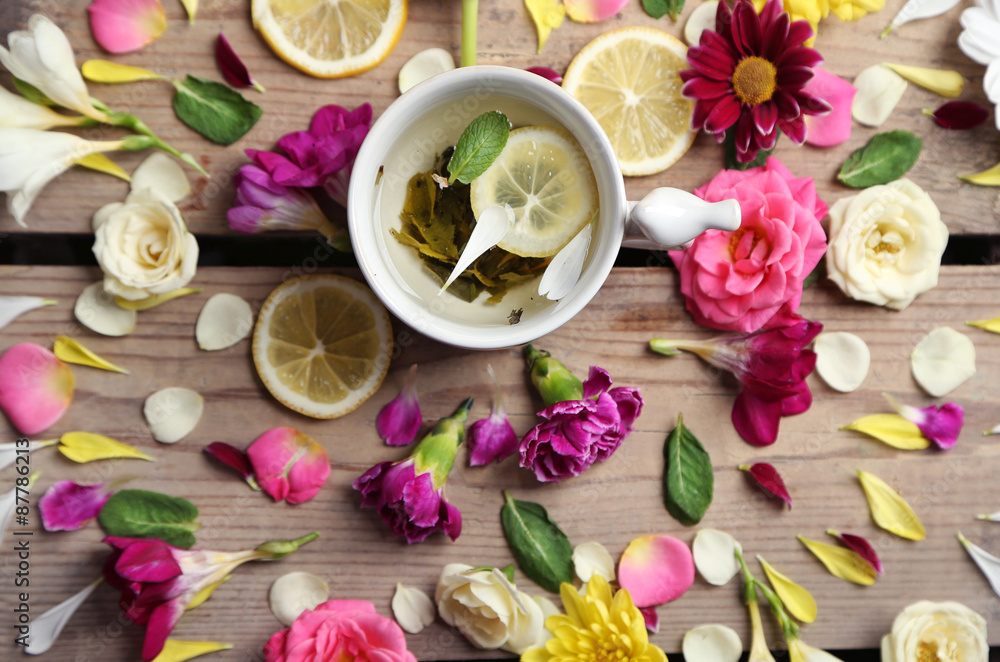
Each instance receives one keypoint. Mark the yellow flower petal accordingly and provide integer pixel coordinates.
(176, 650)
(940, 81)
(87, 447)
(889, 510)
(852, 10)
(155, 300)
(206, 593)
(71, 351)
(842, 562)
(101, 163)
(989, 177)
(105, 71)
(798, 601)
(891, 429)
(547, 15)
(191, 6)
(989, 325)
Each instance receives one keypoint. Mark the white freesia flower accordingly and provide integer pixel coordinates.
(143, 246)
(489, 610)
(30, 159)
(886, 244)
(16, 111)
(42, 57)
(936, 631)
(45, 629)
(980, 41)
(800, 651)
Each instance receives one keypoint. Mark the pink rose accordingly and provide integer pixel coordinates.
(751, 279)
(339, 630)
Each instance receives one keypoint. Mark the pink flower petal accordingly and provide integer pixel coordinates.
(35, 387)
(148, 561)
(232, 67)
(399, 421)
(834, 128)
(233, 458)
(288, 464)
(940, 425)
(861, 546)
(123, 26)
(593, 11)
(656, 570)
(960, 115)
(67, 506)
(308, 476)
(652, 618)
(769, 478)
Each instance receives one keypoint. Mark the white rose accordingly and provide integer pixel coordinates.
(489, 610)
(885, 244)
(946, 631)
(143, 246)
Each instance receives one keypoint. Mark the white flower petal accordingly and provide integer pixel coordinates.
(565, 268)
(97, 310)
(701, 19)
(811, 653)
(879, 90)
(943, 360)
(491, 227)
(163, 175)
(918, 9)
(292, 594)
(548, 607)
(45, 629)
(412, 608)
(714, 554)
(593, 558)
(987, 563)
(12, 307)
(16, 111)
(712, 643)
(423, 65)
(9, 452)
(172, 413)
(842, 360)
(224, 320)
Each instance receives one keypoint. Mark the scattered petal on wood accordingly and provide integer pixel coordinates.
(45, 629)
(224, 320)
(842, 360)
(177, 650)
(656, 570)
(164, 176)
(105, 71)
(990, 177)
(593, 558)
(232, 67)
(87, 447)
(889, 510)
(879, 91)
(945, 82)
(918, 9)
(701, 19)
(71, 351)
(891, 429)
(100, 163)
(652, 618)
(769, 479)
(988, 564)
(36, 387)
(991, 325)
(714, 555)
(942, 361)
(547, 16)
(293, 593)
(12, 307)
(991, 517)
(191, 7)
(861, 546)
(959, 115)
(124, 26)
(842, 562)
(547, 74)
(712, 643)
(97, 310)
(797, 600)
(412, 608)
(424, 65)
(172, 413)
(233, 458)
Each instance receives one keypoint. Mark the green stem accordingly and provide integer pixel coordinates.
(135, 124)
(788, 627)
(470, 21)
(749, 592)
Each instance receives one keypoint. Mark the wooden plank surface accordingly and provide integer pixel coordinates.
(506, 37)
(612, 503)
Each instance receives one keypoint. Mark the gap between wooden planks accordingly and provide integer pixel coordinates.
(612, 503)
(506, 37)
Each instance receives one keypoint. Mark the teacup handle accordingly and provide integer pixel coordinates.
(670, 219)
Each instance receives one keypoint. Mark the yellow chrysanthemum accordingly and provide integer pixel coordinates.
(597, 626)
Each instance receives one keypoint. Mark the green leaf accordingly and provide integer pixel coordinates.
(688, 481)
(480, 145)
(819, 271)
(215, 111)
(32, 93)
(660, 8)
(142, 514)
(885, 158)
(541, 549)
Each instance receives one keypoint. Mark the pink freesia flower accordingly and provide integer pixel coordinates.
(655, 570)
(752, 278)
(593, 11)
(35, 387)
(409, 495)
(399, 421)
(585, 427)
(123, 26)
(159, 581)
(339, 630)
(492, 438)
(322, 156)
(941, 425)
(772, 365)
(834, 128)
(289, 465)
(67, 506)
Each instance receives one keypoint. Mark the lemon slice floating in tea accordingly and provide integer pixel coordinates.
(543, 174)
(629, 80)
(322, 344)
(330, 39)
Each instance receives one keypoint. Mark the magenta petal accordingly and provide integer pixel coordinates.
(399, 421)
(491, 439)
(862, 547)
(765, 116)
(769, 478)
(960, 115)
(835, 127)
(233, 458)
(232, 67)
(705, 88)
(547, 74)
(147, 561)
(67, 506)
(756, 420)
(308, 475)
(123, 26)
(723, 116)
(35, 387)
(161, 623)
(652, 619)
(655, 570)
(943, 424)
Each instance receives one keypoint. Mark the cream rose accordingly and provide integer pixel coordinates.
(489, 610)
(143, 246)
(946, 631)
(885, 244)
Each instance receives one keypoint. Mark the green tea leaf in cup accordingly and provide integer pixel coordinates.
(215, 111)
(480, 145)
(886, 158)
(688, 481)
(542, 550)
(143, 514)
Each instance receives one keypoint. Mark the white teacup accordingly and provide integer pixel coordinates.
(430, 117)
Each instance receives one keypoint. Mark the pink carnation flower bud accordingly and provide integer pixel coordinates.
(399, 421)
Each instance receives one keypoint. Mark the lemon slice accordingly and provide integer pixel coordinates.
(322, 344)
(543, 174)
(629, 80)
(330, 38)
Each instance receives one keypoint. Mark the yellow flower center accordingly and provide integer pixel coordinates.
(926, 652)
(740, 249)
(755, 80)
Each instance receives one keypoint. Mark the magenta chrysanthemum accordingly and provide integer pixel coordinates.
(750, 73)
